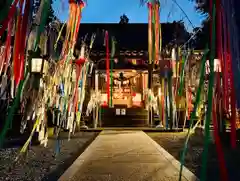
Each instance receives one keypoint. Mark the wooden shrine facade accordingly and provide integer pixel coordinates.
(130, 58)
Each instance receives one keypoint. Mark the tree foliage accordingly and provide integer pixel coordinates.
(202, 6)
(51, 15)
(202, 33)
(124, 19)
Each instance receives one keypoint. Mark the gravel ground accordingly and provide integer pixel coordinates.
(40, 163)
(173, 143)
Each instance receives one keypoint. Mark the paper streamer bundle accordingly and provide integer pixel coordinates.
(95, 101)
(151, 100)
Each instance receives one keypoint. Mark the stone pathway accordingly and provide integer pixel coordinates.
(125, 156)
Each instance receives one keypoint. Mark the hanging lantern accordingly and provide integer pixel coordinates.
(37, 65)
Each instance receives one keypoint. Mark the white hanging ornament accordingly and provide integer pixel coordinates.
(91, 68)
(174, 56)
(82, 52)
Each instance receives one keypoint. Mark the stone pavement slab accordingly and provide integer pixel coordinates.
(125, 156)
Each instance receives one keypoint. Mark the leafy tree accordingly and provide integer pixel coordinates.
(51, 15)
(124, 19)
(202, 6)
(202, 34)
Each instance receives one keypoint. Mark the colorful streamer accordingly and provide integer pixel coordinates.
(17, 46)
(44, 14)
(150, 14)
(107, 66)
(196, 104)
(210, 95)
(112, 63)
(157, 22)
(184, 59)
(10, 16)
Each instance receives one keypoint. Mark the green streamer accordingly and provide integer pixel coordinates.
(193, 113)
(20, 87)
(180, 90)
(59, 35)
(111, 71)
(210, 96)
(11, 112)
(44, 16)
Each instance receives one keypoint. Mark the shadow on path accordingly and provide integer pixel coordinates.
(55, 175)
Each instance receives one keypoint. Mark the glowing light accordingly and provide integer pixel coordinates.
(159, 91)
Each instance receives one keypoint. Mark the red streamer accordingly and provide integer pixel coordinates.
(220, 154)
(107, 66)
(23, 39)
(81, 6)
(79, 64)
(11, 13)
(150, 13)
(157, 33)
(17, 46)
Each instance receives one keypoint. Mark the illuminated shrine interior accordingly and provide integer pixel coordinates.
(127, 89)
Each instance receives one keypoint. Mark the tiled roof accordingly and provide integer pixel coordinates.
(132, 36)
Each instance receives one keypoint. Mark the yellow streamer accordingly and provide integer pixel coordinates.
(59, 35)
